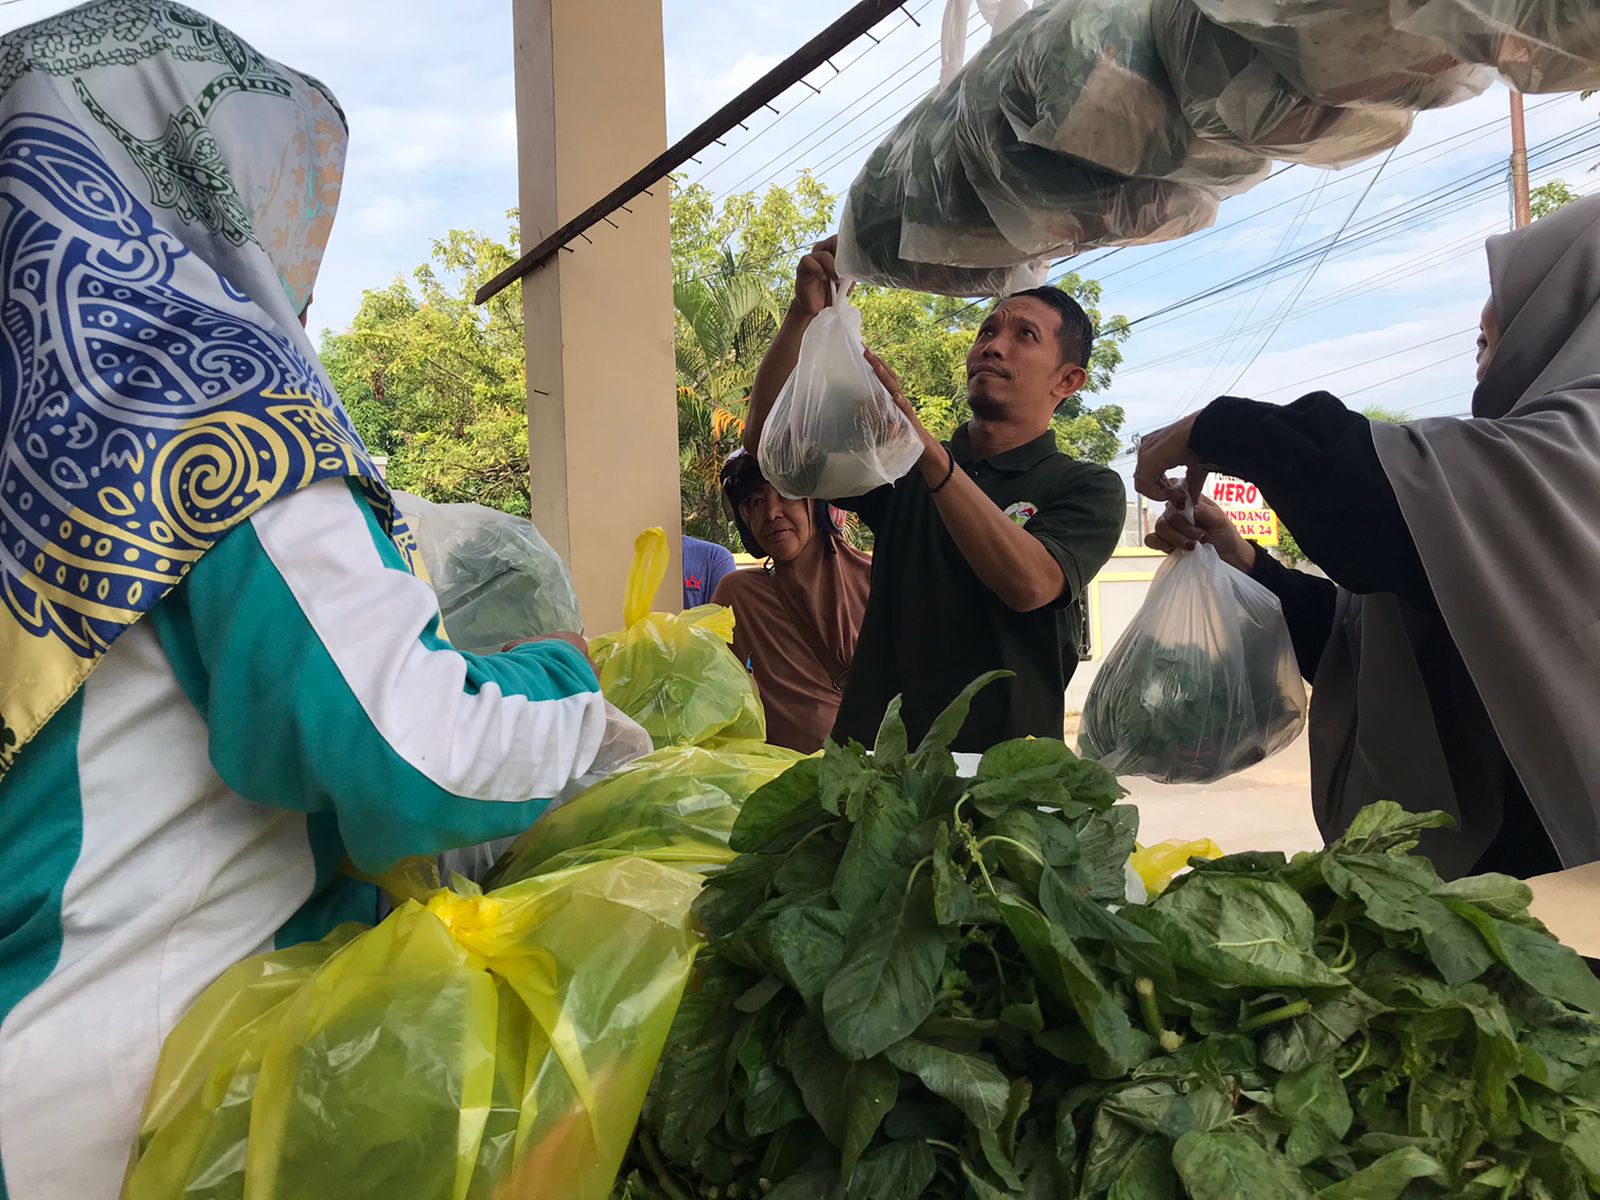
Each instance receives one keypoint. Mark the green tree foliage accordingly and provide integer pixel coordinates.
(1549, 197)
(436, 382)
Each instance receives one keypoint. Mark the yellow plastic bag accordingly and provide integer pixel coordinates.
(675, 675)
(471, 1047)
(675, 806)
(1158, 865)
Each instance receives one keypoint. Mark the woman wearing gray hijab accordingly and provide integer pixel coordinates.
(1455, 656)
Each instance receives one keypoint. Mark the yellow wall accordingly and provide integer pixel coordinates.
(1129, 564)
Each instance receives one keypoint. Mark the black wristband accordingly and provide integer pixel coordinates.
(948, 475)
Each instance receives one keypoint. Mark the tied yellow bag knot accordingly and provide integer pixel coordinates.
(714, 617)
(1157, 866)
(672, 673)
(469, 919)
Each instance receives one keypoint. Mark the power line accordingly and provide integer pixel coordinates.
(1193, 239)
(1367, 362)
(1397, 218)
(909, 19)
(1360, 391)
(1300, 291)
(1224, 345)
(1371, 387)
(1336, 297)
(922, 57)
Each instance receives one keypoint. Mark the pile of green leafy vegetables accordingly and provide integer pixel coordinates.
(924, 986)
(1172, 713)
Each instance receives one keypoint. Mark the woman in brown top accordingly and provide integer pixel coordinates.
(796, 619)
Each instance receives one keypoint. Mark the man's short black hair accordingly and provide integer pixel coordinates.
(1077, 331)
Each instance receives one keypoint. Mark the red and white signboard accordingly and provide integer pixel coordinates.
(1246, 508)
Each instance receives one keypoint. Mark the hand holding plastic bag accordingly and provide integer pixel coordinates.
(1204, 683)
(676, 675)
(471, 1047)
(676, 806)
(834, 431)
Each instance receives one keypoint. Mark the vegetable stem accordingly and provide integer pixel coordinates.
(659, 1168)
(915, 871)
(1360, 1059)
(1145, 989)
(1005, 841)
(1274, 1016)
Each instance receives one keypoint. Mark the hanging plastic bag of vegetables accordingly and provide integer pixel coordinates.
(1351, 53)
(675, 674)
(834, 430)
(470, 1047)
(1536, 45)
(1202, 684)
(1232, 95)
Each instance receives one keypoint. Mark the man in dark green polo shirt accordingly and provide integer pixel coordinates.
(982, 551)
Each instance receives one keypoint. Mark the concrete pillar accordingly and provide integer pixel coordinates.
(602, 415)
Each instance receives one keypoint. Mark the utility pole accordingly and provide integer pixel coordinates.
(1519, 162)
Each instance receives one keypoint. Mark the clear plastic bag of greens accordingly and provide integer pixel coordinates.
(675, 806)
(1084, 78)
(675, 674)
(496, 578)
(470, 1047)
(1202, 684)
(873, 227)
(1011, 164)
(1350, 53)
(1536, 45)
(834, 430)
(1231, 94)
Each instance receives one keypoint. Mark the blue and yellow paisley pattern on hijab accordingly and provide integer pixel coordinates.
(166, 194)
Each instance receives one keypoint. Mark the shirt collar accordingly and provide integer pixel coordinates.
(1013, 461)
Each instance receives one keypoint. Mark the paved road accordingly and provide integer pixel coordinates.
(1265, 808)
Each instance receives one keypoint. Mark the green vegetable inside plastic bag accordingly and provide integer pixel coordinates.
(497, 579)
(673, 674)
(675, 806)
(470, 1047)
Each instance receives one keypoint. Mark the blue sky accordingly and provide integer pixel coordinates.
(1388, 322)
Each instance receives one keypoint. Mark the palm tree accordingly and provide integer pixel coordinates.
(724, 321)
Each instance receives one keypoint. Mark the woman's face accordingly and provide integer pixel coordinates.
(783, 527)
(1488, 338)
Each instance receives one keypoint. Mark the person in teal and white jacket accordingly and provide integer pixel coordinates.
(219, 678)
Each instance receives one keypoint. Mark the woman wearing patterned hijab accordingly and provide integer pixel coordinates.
(218, 677)
(1457, 664)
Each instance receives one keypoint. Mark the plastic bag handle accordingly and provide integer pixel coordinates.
(650, 559)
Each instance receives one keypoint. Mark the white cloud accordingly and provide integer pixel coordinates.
(437, 133)
(693, 93)
(392, 214)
